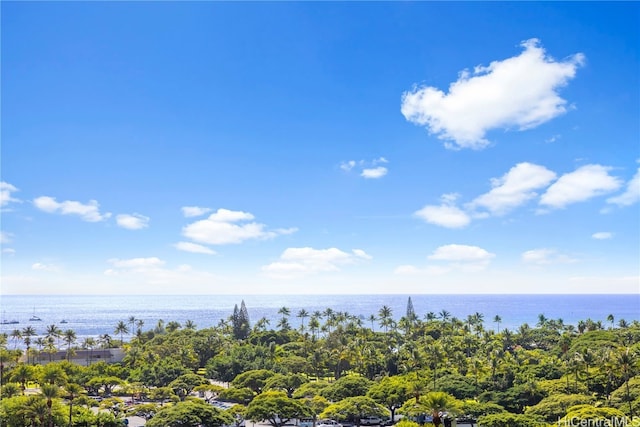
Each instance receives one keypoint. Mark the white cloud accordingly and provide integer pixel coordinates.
(9, 251)
(546, 256)
(194, 248)
(347, 166)
(514, 188)
(602, 235)
(463, 253)
(374, 173)
(298, 262)
(88, 212)
(132, 222)
(631, 194)
(369, 169)
(518, 92)
(446, 214)
(136, 263)
(191, 211)
(582, 184)
(5, 237)
(44, 267)
(220, 228)
(5, 193)
(151, 271)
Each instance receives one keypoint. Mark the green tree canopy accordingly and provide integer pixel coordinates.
(275, 407)
(190, 413)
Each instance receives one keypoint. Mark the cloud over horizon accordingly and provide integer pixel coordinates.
(299, 262)
(223, 228)
(520, 92)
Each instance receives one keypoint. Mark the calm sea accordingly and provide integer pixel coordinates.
(91, 316)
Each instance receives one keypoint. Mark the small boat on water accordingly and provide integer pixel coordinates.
(8, 322)
(64, 321)
(35, 318)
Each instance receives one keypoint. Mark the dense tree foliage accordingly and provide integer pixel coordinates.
(327, 364)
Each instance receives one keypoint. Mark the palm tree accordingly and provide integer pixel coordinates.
(384, 315)
(437, 402)
(626, 361)
(121, 328)
(53, 332)
(72, 392)
(611, 319)
(190, 325)
(105, 340)
(132, 323)
(16, 335)
(22, 374)
(173, 326)
(49, 392)
(497, 319)
(69, 337)
(27, 333)
(139, 325)
(372, 319)
(302, 314)
(88, 344)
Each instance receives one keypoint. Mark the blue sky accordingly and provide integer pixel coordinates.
(289, 147)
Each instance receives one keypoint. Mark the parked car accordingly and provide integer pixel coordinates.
(370, 421)
(328, 423)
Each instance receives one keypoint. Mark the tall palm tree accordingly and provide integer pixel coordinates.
(139, 325)
(27, 333)
(121, 328)
(16, 335)
(53, 331)
(49, 392)
(72, 392)
(302, 314)
(69, 337)
(384, 315)
(626, 361)
(132, 322)
(497, 319)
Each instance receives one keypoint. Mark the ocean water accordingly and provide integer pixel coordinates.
(91, 316)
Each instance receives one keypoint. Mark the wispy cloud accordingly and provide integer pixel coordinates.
(5, 237)
(229, 227)
(631, 194)
(89, 212)
(546, 256)
(447, 214)
(518, 92)
(194, 248)
(580, 185)
(38, 266)
(449, 258)
(298, 262)
(191, 211)
(368, 169)
(152, 271)
(6, 190)
(602, 235)
(132, 222)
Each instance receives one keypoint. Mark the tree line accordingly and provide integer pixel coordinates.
(333, 365)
